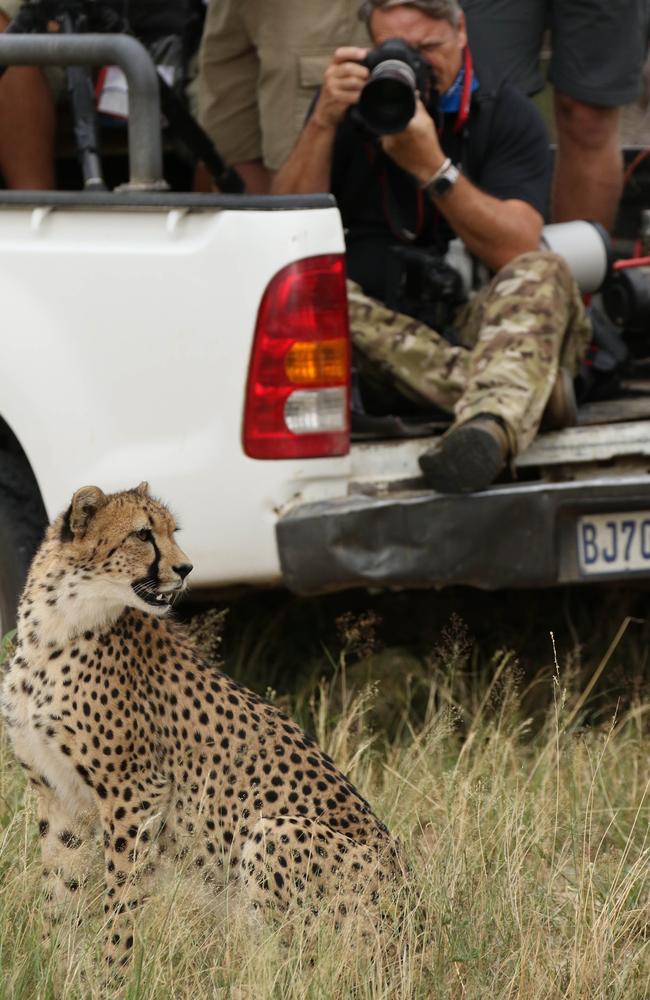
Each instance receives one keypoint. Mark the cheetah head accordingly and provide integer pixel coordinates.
(119, 550)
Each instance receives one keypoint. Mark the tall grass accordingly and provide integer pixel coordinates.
(527, 836)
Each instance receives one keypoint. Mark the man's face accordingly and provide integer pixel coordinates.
(440, 44)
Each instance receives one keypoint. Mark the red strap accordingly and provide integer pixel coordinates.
(623, 265)
(466, 96)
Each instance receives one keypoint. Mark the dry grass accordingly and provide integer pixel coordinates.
(529, 844)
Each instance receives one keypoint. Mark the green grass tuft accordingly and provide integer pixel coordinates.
(523, 809)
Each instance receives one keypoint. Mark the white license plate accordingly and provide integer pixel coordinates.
(614, 543)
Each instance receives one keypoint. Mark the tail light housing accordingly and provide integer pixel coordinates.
(298, 390)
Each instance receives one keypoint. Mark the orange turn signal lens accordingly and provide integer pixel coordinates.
(312, 362)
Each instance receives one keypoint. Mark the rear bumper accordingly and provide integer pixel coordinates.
(508, 536)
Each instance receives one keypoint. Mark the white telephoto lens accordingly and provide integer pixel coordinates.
(586, 248)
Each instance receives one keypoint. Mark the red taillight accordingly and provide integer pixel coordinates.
(298, 391)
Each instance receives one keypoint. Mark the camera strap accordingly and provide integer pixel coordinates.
(407, 226)
(466, 95)
(393, 211)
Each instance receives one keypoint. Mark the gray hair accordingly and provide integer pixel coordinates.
(438, 10)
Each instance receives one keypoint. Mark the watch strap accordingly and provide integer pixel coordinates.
(442, 181)
(446, 163)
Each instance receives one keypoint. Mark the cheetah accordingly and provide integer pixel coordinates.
(126, 731)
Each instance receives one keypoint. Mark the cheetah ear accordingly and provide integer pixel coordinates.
(85, 503)
(143, 489)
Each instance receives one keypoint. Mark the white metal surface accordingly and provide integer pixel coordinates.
(594, 443)
(125, 344)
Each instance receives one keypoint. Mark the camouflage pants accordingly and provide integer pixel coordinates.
(515, 334)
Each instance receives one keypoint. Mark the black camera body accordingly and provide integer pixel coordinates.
(626, 299)
(398, 73)
(422, 284)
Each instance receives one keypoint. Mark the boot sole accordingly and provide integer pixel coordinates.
(467, 460)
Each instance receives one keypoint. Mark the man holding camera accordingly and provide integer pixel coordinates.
(467, 164)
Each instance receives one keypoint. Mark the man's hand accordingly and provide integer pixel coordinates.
(309, 165)
(342, 85)
(416, 149)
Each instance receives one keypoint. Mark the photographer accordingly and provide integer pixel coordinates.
(469, 164)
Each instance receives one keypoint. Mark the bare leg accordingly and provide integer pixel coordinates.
(27, 127)
(589, 169)
(202, 182)
(256, 177)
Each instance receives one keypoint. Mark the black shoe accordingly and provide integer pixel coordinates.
(466, 458)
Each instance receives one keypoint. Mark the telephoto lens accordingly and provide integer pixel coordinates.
(397, 74)
(585, 246)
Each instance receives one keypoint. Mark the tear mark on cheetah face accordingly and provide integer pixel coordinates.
(115, 552)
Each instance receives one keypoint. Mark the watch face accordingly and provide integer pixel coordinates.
(442, 185)
(446, 182)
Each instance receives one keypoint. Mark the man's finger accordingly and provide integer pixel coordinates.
(347, 85)
(340, 71)
(349, 53)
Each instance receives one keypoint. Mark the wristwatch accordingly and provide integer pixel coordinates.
(443, 180)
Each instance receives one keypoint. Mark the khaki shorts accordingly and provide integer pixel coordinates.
(10, 8)
(260, 64)
(597, 46)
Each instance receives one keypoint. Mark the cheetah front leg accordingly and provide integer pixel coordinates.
(67, 849)
(131, 851)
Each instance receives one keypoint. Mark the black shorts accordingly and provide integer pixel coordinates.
(598, 46)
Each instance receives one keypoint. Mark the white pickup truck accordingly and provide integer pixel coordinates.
(200, 342)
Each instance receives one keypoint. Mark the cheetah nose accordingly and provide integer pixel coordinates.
(183, 569)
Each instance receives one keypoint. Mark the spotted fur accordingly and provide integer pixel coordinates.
(125, 730)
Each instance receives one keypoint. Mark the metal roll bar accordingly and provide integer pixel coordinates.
(145, 144)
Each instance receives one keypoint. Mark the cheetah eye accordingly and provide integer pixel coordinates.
(144, 534)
